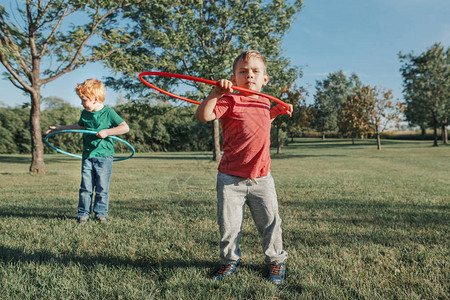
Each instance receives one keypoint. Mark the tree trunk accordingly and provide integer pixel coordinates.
(444, 134)
(37, 147)
(217, 155)
(378, 141)
(278, 139)
(435, 143)
(323, 136)
(423, 131)
(353, 139)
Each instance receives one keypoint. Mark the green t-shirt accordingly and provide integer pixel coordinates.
(94, 146)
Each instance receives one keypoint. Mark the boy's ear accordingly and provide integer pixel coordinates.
(266, 79)
(233, 79)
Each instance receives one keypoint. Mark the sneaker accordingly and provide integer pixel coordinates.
(101, 220)
(226, 270)
(82, 220)
(277, 273)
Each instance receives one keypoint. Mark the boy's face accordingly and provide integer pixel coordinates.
(250, 74)
(89, 104)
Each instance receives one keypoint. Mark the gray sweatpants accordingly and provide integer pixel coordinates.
(232, 195)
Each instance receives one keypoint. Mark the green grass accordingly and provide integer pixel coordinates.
(358, 223)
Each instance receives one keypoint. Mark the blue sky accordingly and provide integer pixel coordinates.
(360, 36)
(364, 37)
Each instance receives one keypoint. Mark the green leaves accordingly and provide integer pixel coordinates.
(331, 93)
(426, 81)
(202, 38)
(354, 118)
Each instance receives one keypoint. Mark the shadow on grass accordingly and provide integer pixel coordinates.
(25, 159)
(160, 271)
(13, 159)
(127, 207)
(9, 255)
(287, 156)
(62, 159)
(326, 145)
(32, 212)
(58, 214)
(379, 213)
(183, 156)
(390, 224)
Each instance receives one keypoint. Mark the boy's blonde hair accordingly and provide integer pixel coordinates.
(246, 55)
(91, 88)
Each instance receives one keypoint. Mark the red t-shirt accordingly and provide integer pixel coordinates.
(246, 135)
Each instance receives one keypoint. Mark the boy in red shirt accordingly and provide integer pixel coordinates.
(244, 171)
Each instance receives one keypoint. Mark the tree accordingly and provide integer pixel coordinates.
(164, 127)
(426, 82)
(282, 86)
(14, 129)
(57, 111)
(201, 39)
(299, 119)
(354, 118)
(382, 111)
(39, 43)
(331, 93)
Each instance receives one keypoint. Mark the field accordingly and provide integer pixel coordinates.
(358, 223)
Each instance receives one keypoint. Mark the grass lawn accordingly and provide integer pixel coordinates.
(358, 223)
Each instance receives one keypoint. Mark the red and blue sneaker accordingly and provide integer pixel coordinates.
(277, 273)
(226, 270)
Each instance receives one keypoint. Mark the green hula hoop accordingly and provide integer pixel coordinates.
(89, 132)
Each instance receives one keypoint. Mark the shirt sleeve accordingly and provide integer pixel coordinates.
(115, 118)
(223, 106)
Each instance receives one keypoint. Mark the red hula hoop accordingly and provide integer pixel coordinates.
(211, 82)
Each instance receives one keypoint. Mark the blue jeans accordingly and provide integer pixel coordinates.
(95, 175)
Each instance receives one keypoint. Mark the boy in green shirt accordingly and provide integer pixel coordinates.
(98, 150)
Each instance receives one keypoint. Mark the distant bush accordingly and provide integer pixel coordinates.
(15, 130)
(164, 128)
(152, 128)
(409, 135)
(393, 135)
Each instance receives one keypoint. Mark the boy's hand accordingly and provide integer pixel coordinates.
(280, 110)
(51, 129)
(224, 86)
(102, 134)
(205, 111)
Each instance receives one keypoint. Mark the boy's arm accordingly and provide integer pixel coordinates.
(63, 127)
(120, 129)
(205, 111)
(280, 110)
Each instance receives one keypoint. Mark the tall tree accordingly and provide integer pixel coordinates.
(382, 111)
(283, 87)
(354, 118)
(300, 117)
(299, 120)
(201, 39)
(426, 82)
(40, 42)
(331, 93)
